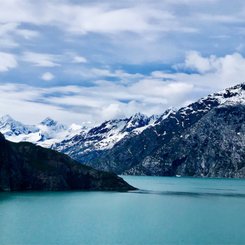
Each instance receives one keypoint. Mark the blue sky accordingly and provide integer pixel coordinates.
(91, 61)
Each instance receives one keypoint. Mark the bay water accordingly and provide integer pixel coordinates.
(163, 211)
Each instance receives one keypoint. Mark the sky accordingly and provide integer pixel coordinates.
(89, 61)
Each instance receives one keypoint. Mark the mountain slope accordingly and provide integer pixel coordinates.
(190, 141)
(212, 147)
(88, 145)
(24, 166)
(75, 139)
(158, 145)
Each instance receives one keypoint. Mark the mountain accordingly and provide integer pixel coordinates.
(12, 128)
(25, 166)
(46, 133)
(78, 141)
(88, 146)
(206, 138)
(201, 139)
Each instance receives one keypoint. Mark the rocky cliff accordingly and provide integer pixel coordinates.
(206, 138)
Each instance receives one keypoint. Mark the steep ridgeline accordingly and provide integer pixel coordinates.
(75, 140)
(206, 138)
(24, 166)
(202, 139)
(45, 134)
(88, 146)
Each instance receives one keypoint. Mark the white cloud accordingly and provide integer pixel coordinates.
(228, 67)
(98, 73)
(106, 99)
(7, 61)
(79, 59)
(99, 17)
(102, 102)
(21, 102)
(47, 76)
(112, 34)
(41, 59)
(194, 60)
(127, 26)
(11, 31)
(214, 73)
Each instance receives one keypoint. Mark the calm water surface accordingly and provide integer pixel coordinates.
(163, 211)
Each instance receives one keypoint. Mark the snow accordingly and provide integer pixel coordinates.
(106, 135)
(46, 133)
(50, 133)
(236, 95)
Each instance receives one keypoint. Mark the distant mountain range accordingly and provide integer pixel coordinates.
(75, 138)
(206, 138)
(46, 133)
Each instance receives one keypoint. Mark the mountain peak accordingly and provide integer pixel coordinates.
(238, 86)
(6, 118)
(139, 115)
(230, 95)
(49, 122)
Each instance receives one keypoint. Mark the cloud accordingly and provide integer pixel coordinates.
(84, 18)
(150, 94)
(79, 59)
(231, 66)
(40, 59)
(10, 32)
(96, 104)
(120, 55)
(123, 28)
(7, 61)
(16, 96)
(95, 74)
(211, 73)
(196, 62)
(47, 76)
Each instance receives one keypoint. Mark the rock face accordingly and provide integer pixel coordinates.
(24, 166)
(212, 147)
(206, 138)
(85, 147)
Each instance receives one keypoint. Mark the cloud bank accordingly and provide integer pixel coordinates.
(92, 61)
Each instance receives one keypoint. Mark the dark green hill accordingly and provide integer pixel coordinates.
(24, 166)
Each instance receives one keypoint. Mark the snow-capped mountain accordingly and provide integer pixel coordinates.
(184, 141)
(206, 138)
(105, 136)
(11, 128)
(46, 133)
(52, 134)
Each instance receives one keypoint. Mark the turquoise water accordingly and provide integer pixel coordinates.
(164, 211)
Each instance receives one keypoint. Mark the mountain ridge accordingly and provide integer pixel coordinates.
(141, 145)
(51, 134)
(153, 151)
